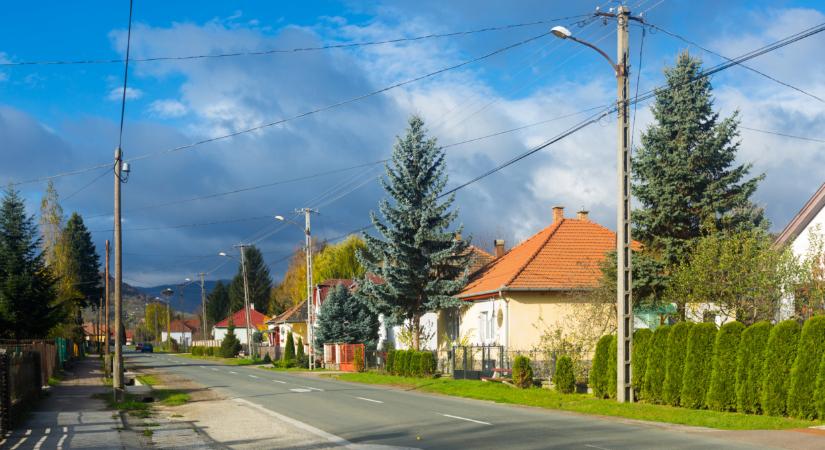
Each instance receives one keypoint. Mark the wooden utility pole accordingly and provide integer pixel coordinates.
(203, 306)
(106, 320)
(117, 363)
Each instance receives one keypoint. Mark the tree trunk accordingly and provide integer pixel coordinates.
(415, 327)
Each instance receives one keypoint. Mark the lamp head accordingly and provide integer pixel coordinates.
(222, 254)
(281, 218)
(187, 280)
(561, 32)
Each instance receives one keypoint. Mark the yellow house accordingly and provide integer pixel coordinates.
(535, 287)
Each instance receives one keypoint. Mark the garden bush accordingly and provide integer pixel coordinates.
(600, 373)
(403, 362)
(565, 378)
(656, 367)
(196, 351)
(809, 353)
(675, 361)
(289, 348)
(300, 356)
(267, 359)
(749, 364)
(612, 368)
(819, 395)
(641, 345)
(698, 365)
(428, 364)
(358, 359)
(414, 367)
(780, 354)
(722, 390)
(212, 351)
(230, 345)
(522, 372)
(388, 365)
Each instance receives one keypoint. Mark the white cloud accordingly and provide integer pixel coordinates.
(167, 108)
(116, 94)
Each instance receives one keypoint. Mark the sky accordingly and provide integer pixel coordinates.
(63, 117)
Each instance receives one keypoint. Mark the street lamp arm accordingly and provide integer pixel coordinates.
(601, 52)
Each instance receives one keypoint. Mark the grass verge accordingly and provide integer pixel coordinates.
(292, 369)
(56, 378)
(148, 380)
(218, 359)
(581, 403)
(170, 397)
(129, 404)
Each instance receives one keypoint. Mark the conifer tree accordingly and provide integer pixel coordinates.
(289, 348)
(260, 283)
(346, 318)
(217, 303)
(684, 171)
(27, 286)
(86, 260)
(420, 261)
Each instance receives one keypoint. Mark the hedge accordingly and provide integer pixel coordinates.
(600, 373)
(612, 367)
(414, 367)
(675, 361)
(564, 378)
(780, 354)
(819, 395)
(402, 362)
(641, 346)
(388, 366)
(749, 363)
(522, 372)
(289, 350)
(811, 347)
(722, 390)
(698, 365)
(428, 364)
(655, 367)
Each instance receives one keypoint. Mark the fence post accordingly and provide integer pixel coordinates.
(5, 394)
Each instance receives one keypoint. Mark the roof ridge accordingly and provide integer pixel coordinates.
(555, 226)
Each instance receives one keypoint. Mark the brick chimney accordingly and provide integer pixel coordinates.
(582, 215)
(499, 245)
(558, 213)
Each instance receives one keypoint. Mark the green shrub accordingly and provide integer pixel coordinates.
(809, 353)
(819, 395)
(403, 362)
(656, 368)
(230, 345)
(780, 354)
(612, 367)
(428, 364)
(267, 359)
(641, 345)
(698, 365)
(196, 351)
(565, 378)
(749, 364)
(388, 366)
(722, 390)
(415, 364)
(600, 375)
(675, 361)
(358, 359)
(289, 348)
(212, 351)
(522, 372)
(300, 356)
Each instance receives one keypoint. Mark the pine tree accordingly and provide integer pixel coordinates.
(27, 286)
(217, 303)
(87, 262)
(230, 345)
(346, 318)
(260, 283)
(685, 173)
(421, 263)
(300, 355)
(289, 348)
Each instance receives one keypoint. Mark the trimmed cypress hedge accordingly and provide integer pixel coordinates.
(675, 361)
(388, 366)
(641, 345)
(655, 367)
(749, 365)
(698, 365)
(522, 372)
(819, 395)
(564, 378)
(811, 347)
(414, 368)
(600, 371)
(780, 353)
(722, 390)
(428, 364)
(612, 367)
(403, 362)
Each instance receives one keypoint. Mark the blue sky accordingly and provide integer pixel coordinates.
(61, 117)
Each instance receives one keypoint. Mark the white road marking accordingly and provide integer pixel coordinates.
(234, 373)
(596, 446)
(65, 429)
(19, 443)
(202, 367)
(215, 369)
(279, 381)
(43, 439)
(300, 390)
(369, 400)
(312, 388)
(468, 420)
(252, 376)
(306, 427)
(60, 442)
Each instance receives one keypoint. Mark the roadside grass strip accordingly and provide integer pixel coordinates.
(581, 403)
(218, 359)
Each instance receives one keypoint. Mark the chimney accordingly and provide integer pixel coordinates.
(252, 307)
(499, 244)
(458, 236)
(582, 215)
(558, 213)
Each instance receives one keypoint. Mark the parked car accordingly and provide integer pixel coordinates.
(146, 348)
(138, 347)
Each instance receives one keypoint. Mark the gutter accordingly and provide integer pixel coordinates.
(493, 292)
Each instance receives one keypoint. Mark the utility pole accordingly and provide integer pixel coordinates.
(242, 248)
(107, 362)
(203, 306)
(308, 246)
(117, 363)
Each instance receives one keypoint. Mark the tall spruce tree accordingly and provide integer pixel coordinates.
(684, 172)
(420, 262)
(27, 286)
(260, 283)
(346, 318)
(86, 260)
(217, 303)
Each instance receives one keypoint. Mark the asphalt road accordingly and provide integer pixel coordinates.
(362, 415)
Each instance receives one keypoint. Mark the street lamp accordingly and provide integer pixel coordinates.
(624, 280)
(168, 292)
(242, 248)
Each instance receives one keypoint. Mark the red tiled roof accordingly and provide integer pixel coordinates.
(239, 319)
(182, 326)
(565, 255)
(295, 314)
(478, 259)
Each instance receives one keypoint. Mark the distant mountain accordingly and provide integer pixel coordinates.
(191, 299)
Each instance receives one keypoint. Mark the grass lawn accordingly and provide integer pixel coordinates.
(148, 380)
(218, 359)
(292, 369)
(581, 403)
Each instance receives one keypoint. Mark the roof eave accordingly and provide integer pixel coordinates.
(803, 217)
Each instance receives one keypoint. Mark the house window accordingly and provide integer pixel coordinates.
(485, 327)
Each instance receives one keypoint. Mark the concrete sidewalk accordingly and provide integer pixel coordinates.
(70, 418)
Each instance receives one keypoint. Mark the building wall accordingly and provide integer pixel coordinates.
(220, 333)
(800, 247)
(181, 337)
(388, 335)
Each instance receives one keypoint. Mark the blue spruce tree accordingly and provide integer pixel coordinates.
(420, 261)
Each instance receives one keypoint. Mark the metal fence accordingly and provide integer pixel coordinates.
(475, 362)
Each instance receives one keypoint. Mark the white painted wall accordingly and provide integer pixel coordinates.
(220, 333)
(480, 322)
(181, 337)
(800, 248)
(389, 334)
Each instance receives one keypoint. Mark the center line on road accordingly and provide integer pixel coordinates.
(279, 381)
(369, 400)
(252, 376)
(312, 388)
(215, 369)
(596, 446)
(464, 418)
(233, 372)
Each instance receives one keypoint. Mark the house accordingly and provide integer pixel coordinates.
(293, 320)
(537, 286)
(182, 331)
(257, 323)
(807, 223)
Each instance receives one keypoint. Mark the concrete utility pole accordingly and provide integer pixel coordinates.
(106, 320)
(308, 246)
(242, 248)
(117, 364)
(624, 273)
(203, 306)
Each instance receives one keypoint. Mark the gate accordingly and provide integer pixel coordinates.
(474, 362)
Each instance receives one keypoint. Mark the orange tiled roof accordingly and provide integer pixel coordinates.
(478, 259)
(239, 320)
(565, 255)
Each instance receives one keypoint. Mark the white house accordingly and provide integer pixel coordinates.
(257, 323)
(182, 331)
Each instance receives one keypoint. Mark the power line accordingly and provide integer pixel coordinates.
(187, 225)
(87, 185)
(125, 77)
(292, 50)
(779, 133)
